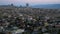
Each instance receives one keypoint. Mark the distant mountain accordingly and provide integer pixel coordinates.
(47, 6)
(6, 6)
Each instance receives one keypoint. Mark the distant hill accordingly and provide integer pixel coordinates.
(6, 6)
(47, 6)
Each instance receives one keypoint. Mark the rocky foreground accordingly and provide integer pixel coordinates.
(29, 21)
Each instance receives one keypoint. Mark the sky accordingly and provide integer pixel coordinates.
(31, 2)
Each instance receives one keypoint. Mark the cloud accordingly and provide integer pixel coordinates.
(29, 1)
(43, 1)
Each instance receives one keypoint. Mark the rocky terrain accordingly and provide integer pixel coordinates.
(14, 20)
(30, 11)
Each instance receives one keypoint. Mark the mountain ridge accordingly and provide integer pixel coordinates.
(47, 6)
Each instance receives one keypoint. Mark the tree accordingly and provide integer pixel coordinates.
(27, 5)
(12, 5)
(20, 5)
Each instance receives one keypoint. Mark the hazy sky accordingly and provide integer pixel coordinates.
(31, 2)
